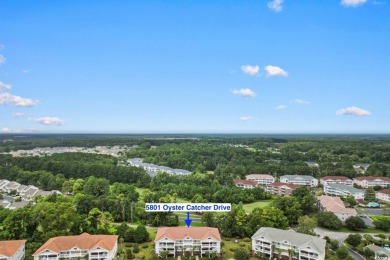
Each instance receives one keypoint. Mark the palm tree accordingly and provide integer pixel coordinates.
(290, 253)
(272, 250)
(279, 253)
(260, 255)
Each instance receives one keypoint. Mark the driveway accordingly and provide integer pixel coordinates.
(368, 221)
(355, 255)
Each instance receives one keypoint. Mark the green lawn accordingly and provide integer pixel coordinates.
(141, 191)
(193, 224)
(146, 252)
(182, 200)
(229, 245)
(258, 204)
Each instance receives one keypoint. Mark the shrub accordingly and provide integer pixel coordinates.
(247, 239)
(145, 246)
(242, 244)
(136, 248)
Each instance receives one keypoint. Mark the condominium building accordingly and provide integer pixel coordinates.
(245, 184)
(336, 179)
(336, 206)
(371, 181)
(271, 241)
(281, 189)
(92, 247)
(178, 241)
(306, 180)
(261, 179)
(12, 249)
(153, 169)
(343, 190)
(383, 195)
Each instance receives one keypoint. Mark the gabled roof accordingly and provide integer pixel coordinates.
(343, 187)
(294, 238)
(335, 178)
(289, 185)
(335, 205)
(245, 182)
(259, 176)
(10, 247)
(371, 178)
(385, 191)
(295, 177)
(179, 233)
(84, 242)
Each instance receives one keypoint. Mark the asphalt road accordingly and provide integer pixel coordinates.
(339, 236)
(355, 255)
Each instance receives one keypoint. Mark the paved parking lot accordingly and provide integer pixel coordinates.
(374, 212)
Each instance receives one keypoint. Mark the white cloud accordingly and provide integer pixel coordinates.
(48, 120)
(246, 118)
(280, 107)
(353, 111)
(7, 130)
(2, 59)
(275, 71)
(244, 92)
(4, 86)
(250, 70)
(300, 102)
(276, 5)
(7, 98)
(26, 71)
(352, 3)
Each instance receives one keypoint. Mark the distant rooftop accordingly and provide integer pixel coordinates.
(350, 189)
(297, 177)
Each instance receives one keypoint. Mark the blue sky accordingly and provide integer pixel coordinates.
(251, 66)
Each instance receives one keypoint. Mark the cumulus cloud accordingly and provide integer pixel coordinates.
(353, 111)
(7, 130)
(2, 59)
(280, 107)
(300, 102)
(276, 5)
(250, 70)
(352, 3)
(273, 71)
(244, 92)
(48, 120)
(9, 99)
(246, 118)
(4, 86)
